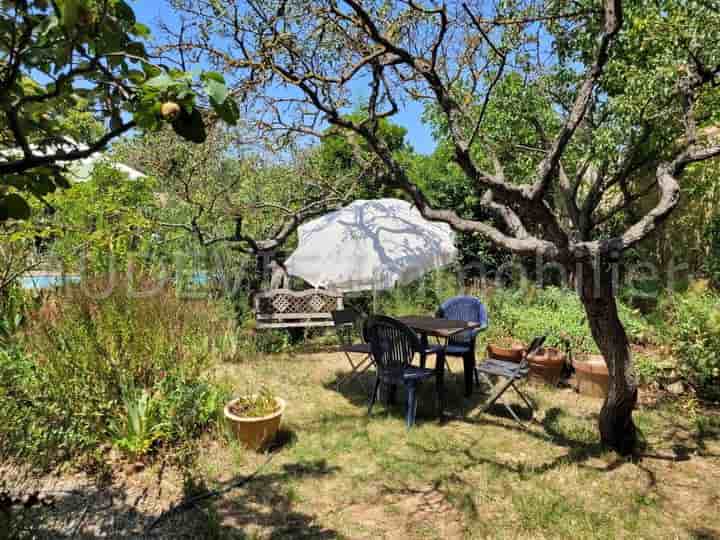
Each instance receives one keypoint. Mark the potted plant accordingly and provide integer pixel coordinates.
(255, 418)
(506, 349)
(547, 364)
(591, 375)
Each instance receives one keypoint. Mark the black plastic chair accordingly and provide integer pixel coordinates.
(393, 346)
(348, 324)
(511, 372)
(462, 344)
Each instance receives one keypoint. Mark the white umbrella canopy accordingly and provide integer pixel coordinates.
(370, 245)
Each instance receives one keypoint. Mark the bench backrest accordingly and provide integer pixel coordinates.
(283, 308)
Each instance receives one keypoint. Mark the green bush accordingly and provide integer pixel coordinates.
(77, 376)
(528, 312)
(423, 295)
(712, 262)
(695, 327)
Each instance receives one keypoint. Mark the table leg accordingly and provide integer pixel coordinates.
(468, 372)
(440, 381)
(423, 346)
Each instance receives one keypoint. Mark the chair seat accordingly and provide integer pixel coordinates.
(414, 373)
(511, 370)
(409, 373)
(454, 349)
(360, 348)
(433, 349)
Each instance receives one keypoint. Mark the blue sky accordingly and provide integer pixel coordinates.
(418, 135)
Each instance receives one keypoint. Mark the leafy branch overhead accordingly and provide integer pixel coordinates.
(85, 55)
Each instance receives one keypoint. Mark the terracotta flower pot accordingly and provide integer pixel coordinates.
(546, 365)
(591, 375)
(255, 432)
(512, 354)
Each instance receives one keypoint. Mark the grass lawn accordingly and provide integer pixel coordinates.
(338, 474)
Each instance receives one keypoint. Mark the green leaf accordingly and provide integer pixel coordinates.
(70, 12)
(141, 30)
(228, 111)
(43, 185)
(13, 206)
(125, 12)
(190, 126)
(217, 91)
(62, 182)
(136, 49)
(212, 76)
(161, 82)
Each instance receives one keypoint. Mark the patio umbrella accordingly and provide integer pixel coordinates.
(370, 245)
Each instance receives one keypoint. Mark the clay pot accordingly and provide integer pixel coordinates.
(513, 354)
(255, 432)
(591, 375)
(547, 365)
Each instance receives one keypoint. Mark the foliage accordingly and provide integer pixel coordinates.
(524, 313)
(423, 295)
(712, 261)
(259, 403)
(13, 304)
(86, 359)
(139, 427)
(648, 368)
(695, 327)
(89, 55)
(17, 252)
(103, 224)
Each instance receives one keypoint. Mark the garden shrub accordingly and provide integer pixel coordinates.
(695, 327)
(712, 261)
(81, 366)
(524, 313)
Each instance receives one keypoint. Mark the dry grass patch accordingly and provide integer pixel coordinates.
(339, 474)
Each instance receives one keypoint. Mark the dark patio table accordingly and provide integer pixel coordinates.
(443, 329)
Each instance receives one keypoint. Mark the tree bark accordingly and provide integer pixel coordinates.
(597, 293)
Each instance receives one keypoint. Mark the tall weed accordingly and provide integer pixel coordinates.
(68, 378)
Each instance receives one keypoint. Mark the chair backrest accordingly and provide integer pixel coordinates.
(463, 308)
(535, 344)
(347, 324)
(392, 343)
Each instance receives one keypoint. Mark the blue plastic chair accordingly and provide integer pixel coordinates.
(462, 345)
(393, 347)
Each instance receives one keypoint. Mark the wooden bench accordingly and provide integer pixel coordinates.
(283, 308)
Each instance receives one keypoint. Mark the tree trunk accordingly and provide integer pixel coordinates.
(597, 292)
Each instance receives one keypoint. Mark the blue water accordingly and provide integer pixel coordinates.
(46, 281)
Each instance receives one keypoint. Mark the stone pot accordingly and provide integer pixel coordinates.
(591, 375)
(255, 432)
(513, 354)
(547, 365)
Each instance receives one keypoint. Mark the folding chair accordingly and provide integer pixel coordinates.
(347, 323)
(512, 372)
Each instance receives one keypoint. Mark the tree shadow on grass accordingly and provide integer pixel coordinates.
(356, 390)
(266, 503)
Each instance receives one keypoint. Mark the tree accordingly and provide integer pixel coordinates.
(64, 56)
(103, 224)
(623, 103)
(228, 193)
